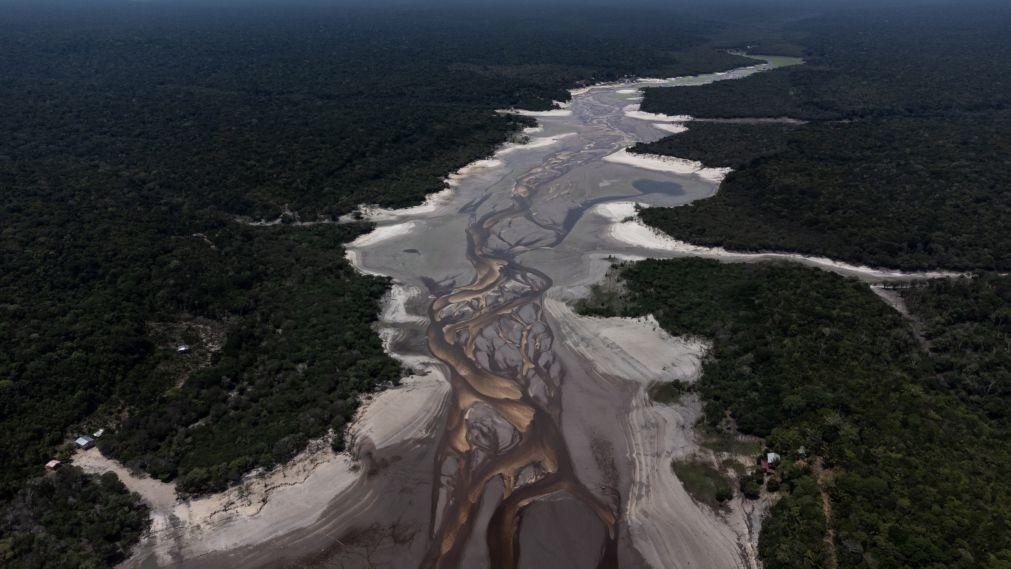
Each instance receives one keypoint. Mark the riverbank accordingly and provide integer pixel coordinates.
(467, 248)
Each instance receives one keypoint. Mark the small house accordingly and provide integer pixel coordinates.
(768, 462)
(53, 465)
(98, 433)
(183, 349)
(84, 442)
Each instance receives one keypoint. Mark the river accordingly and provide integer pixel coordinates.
(534, 464)
(524, 436)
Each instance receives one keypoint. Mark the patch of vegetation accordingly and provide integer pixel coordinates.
(668, 392)
(719, 440)
(751, 484)
(734, 465)
(68, 519)
(808, 358)
(703, 483)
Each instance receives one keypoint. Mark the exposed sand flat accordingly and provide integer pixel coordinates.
(355, 260)
(264, 505)
(382, 233)
(158, 495)
(668, 528)
(675, 128)
(454, 179)
(539, 142)
(633, 112)
(433, 203)
(550, 113)
(640, 348)
(395, 305)
(290, 497)
(404, 413)
(407, 412)
(668, 164)
(627, 228)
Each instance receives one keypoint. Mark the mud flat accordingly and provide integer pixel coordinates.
(524, 434)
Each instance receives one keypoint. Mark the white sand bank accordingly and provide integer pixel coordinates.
(550, 113)
(673, 128)
(668, 528)
(434, 202)
(633, 112)
(644, 351)
(407, 412)
(395, 305)
(538, 142)
(264, 505)
(667, 164)
(626, 228)
(382, 233)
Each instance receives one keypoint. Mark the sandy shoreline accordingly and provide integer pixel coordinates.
(676, 128)
(264, 505)
(290, 497)
(628, 229)
(668, 528)
(670, 164)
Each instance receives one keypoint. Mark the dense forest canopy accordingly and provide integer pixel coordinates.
(134, 138)
(905, 161)
(903, 192)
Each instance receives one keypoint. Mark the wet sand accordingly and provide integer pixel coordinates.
(525, 436)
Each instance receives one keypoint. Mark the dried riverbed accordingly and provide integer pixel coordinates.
(525, 437)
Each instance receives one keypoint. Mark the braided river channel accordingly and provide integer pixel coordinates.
(523, 436)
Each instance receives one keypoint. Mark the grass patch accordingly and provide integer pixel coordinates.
(606, 298)
(703, 483)
(668, 392)
(720, 441)
(735, 465)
